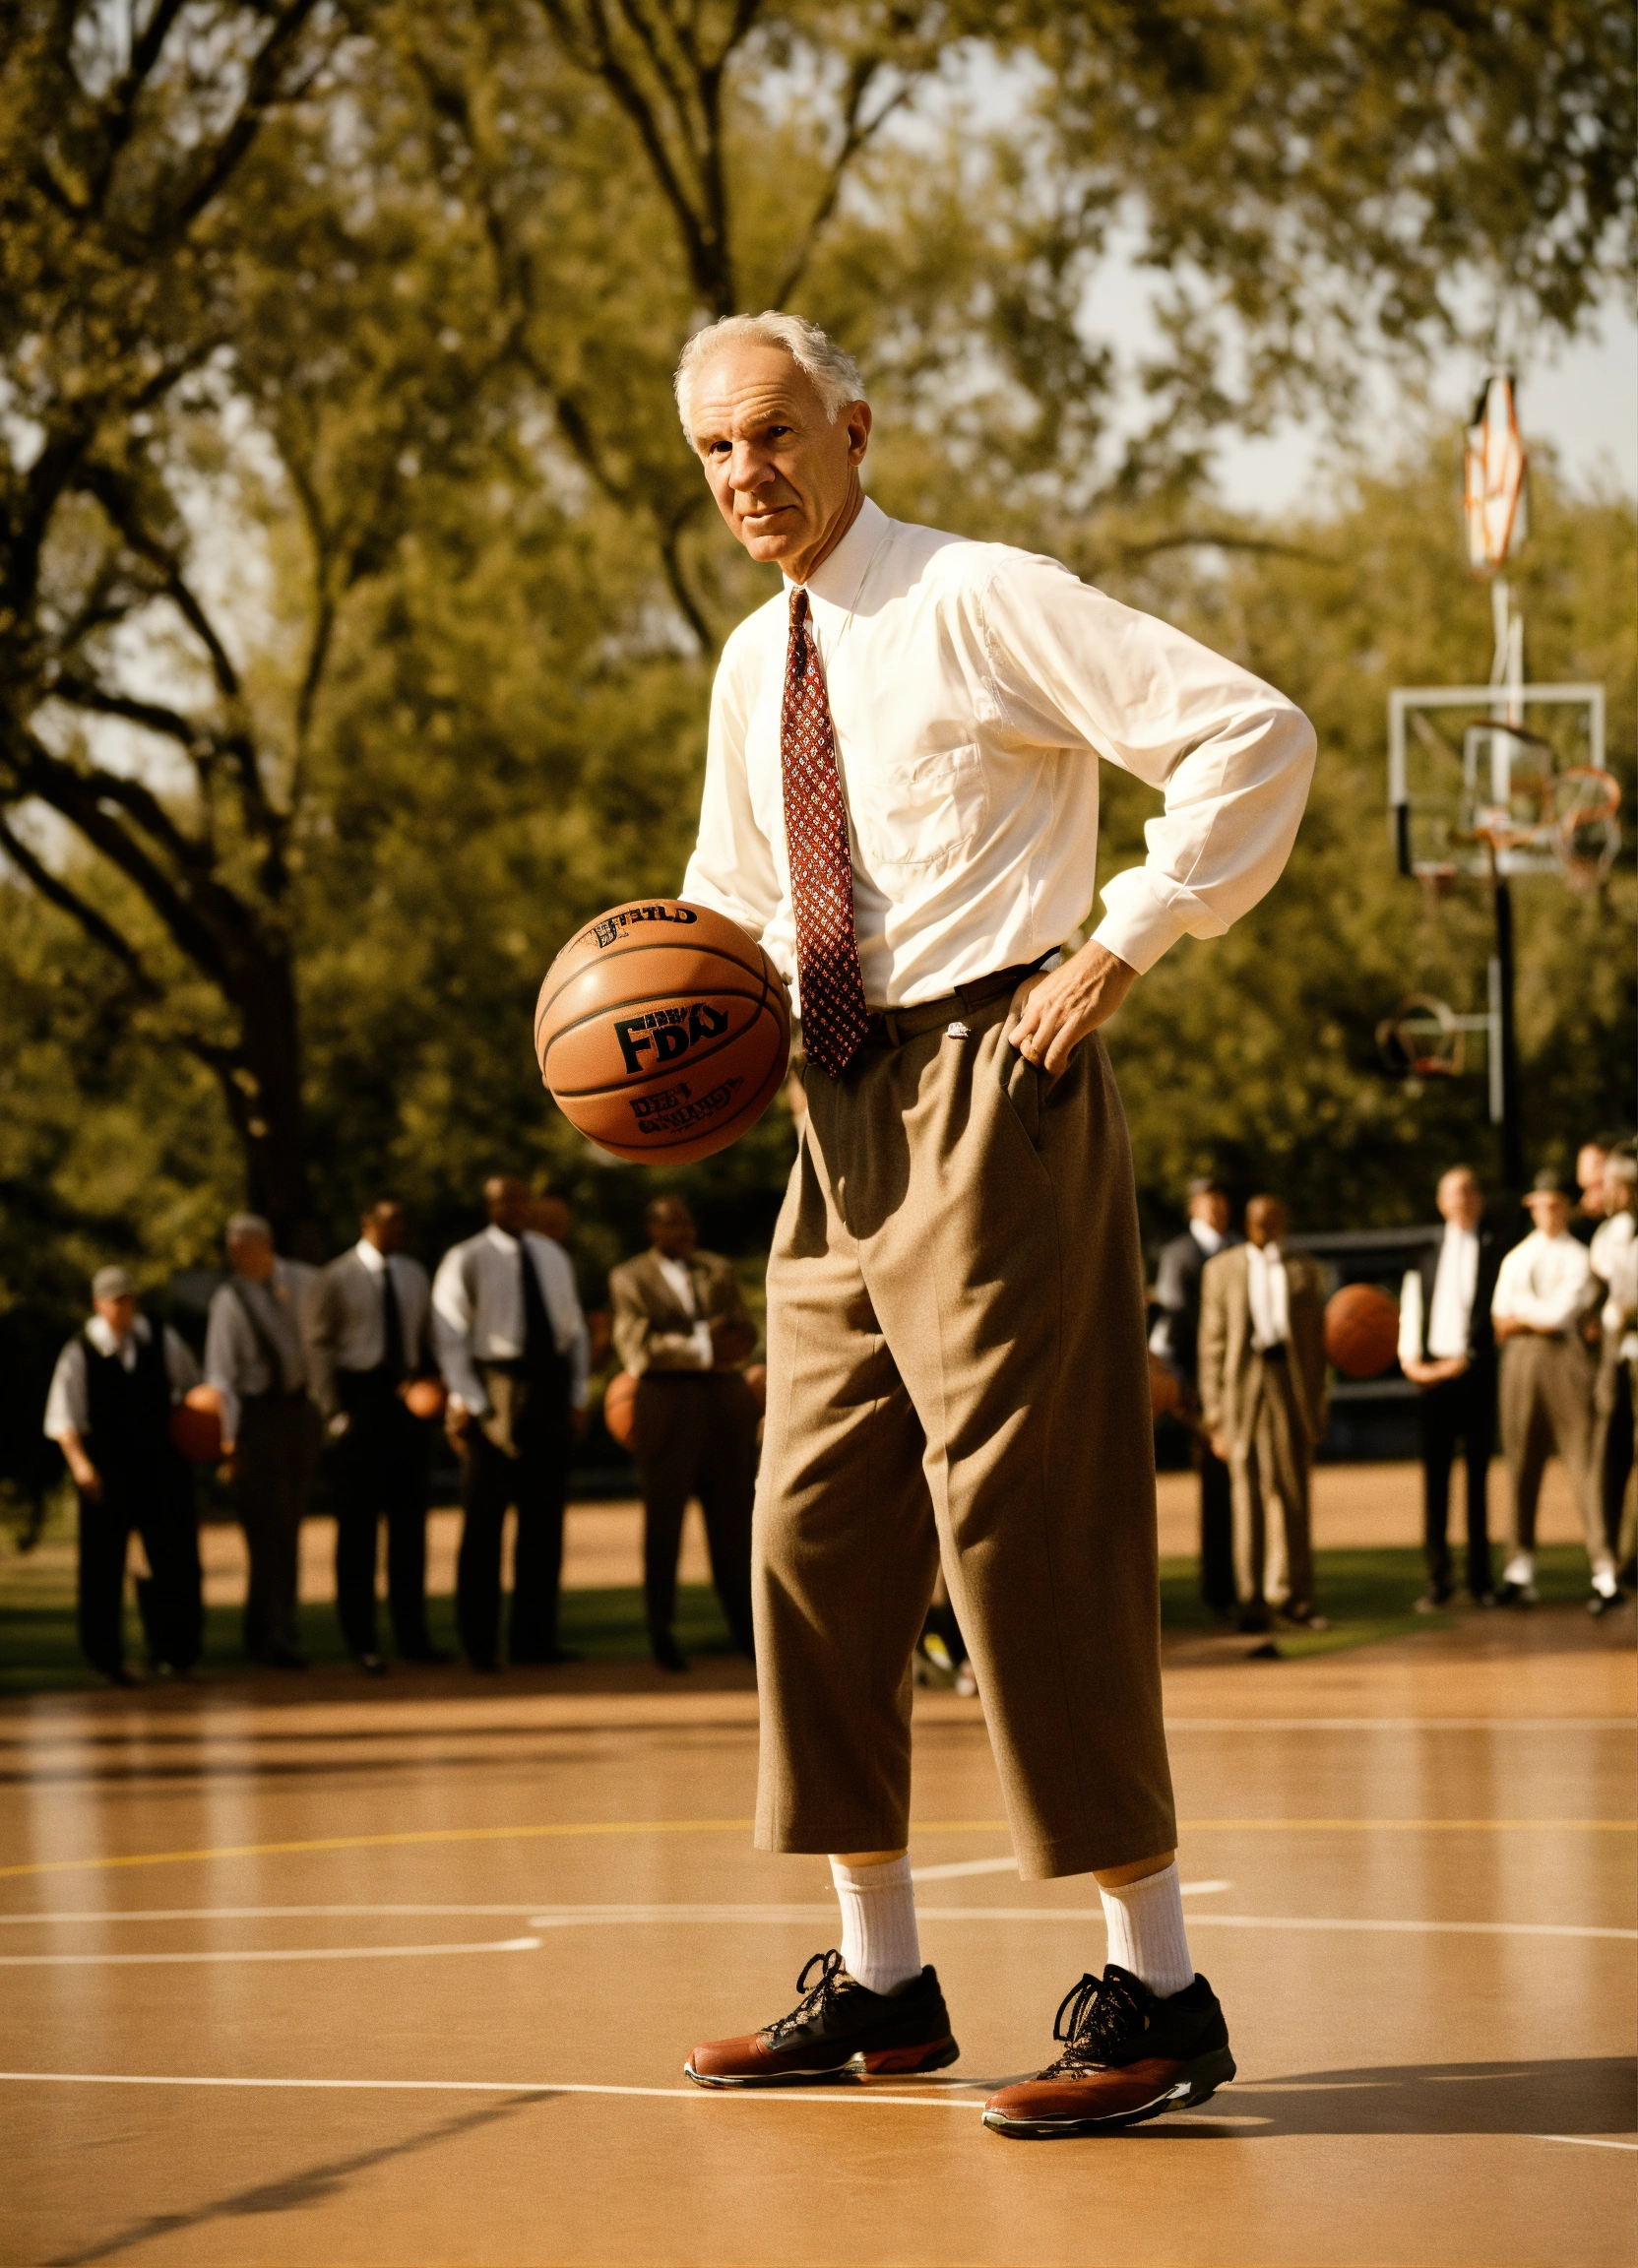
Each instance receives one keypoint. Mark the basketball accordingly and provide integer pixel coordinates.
(663, 1031)
(619, 1408)
(425, 1397)
(1164, 1392)
(1362, 1331)
(755, 1376)
(194, 1433)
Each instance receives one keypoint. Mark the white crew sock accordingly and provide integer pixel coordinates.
(880, 1948)
(1520, 1569)
(1146, 1932)
(1603, 1576)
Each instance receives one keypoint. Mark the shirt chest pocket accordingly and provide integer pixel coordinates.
(919, 814)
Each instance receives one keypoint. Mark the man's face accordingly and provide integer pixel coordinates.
(1461, 1201)
(671, 1229)
(251, 1256)
(387, 1227)
(1548, 1212)
(119, 1313)
(1211, 1208)
(1588, 1177)
(784, 476)
(1620, 1189)
(1265, 1221)
(509, 1201)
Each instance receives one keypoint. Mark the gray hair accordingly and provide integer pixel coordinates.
(248, 1225)
(834, 374)
(113, 1284)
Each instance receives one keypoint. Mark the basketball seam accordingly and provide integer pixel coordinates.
(645, 945)
(727, 1040)
(762, 1096)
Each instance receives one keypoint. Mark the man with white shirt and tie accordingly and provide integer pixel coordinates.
(1447, 1347)
(1263, 1397)
(1613, 1408)
(512, 1345)
(1175, 1339)
(900, 801)
(255, 1359)
(366, 1328)
(1544, 1289)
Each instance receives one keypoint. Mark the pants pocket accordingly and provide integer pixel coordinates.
(1022, 1084)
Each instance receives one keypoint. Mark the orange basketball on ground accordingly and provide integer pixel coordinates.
(425, 1397)
(196, 1433)
(1164, 1392)
(1362, 1330)
(663, 1031)
(619, 1408)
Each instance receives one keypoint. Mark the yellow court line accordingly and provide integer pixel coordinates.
(741, 1826)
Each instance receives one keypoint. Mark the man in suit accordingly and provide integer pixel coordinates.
(1263, 1391)
(365, 1327)
(1175, 1339)
(1447, 1347)
(111, 1396)
(255, 1359)
(1612, 1412)
(511, 1344)
(680, 1327)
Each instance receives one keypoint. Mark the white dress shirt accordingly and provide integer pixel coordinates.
(1450, 1310)
(1210, 1240)
(1620, 1308)
(68, 1404)
(972, 689)
(362, 1341)
(1609, 1238)
(1546, 1282)
(1267, 1292)
(478, 1312)
(237, 1354)
(678, 1276)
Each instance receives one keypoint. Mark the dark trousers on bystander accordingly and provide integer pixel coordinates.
(1458, 1415)
(273, 1462)
(379, 1472)
(159, 1506)
(518, 1455)
(696, 1436)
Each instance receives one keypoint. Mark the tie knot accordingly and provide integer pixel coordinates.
(798, 605)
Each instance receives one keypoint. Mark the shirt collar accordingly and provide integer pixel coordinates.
(1210, 1240)
(99, 1331)
(374, 1261)
(500, 1239)
(838, 579)
(1268, 1254)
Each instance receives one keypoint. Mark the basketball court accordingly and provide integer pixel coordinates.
(409, 1975)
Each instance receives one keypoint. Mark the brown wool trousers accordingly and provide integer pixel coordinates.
(1547, 1409)
(1274, 1460)
(956, 1367)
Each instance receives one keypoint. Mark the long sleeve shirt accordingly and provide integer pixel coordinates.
(67, 1404)
(1269, 1296)
(344, 1318)
(478, 1312)
(1450, 1310)
(972, 689)
(1546, 1282)
(265, 1356)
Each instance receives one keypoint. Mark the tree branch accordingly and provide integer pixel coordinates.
(261, 94)
(97, 928)
(855, 134)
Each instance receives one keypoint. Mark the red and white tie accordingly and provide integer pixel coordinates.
(835, 1017)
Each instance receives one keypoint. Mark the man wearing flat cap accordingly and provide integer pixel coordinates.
(112, 1392)
(1175, 1339)
(1544, 1289)
(255, 1359)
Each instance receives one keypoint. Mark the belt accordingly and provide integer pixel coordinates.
(1280, 1352)
(891, 1026)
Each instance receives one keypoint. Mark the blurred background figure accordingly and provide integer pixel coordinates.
(1175, 1339)
(550, 1217)
(1262, 1393)
(1612, 1245)
(255, 1359)
(682, 1329)
(1447, 1347)
(109, 1410)
(1590, 1199)
(1544, 1289)
(511, 1345)
(365, 1325)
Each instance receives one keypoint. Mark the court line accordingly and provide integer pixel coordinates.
(1586, 2141)
(264, 1953)
(723, 1826)
(1402, 1724)
(855, 2092)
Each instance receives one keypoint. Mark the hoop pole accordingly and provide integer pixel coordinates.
(1492, 1041)
(1512, 1133)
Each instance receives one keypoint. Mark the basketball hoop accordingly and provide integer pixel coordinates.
(1437, 877)
(1493, 469)
(1423, 1039)
(1585, 831)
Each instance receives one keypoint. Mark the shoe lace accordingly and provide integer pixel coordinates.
(1093, 2017)
(815, 1999)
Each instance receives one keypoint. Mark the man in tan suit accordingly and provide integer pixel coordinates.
(1263, 1392)
(682, 1329)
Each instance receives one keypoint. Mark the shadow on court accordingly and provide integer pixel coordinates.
(314, 2185)
(1562, 2094)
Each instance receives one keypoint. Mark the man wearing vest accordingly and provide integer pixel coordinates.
(254, 1358)
(682, 1329)
(511, 1343)
(1447, 1347)
(111, 1396)
(364, 1326)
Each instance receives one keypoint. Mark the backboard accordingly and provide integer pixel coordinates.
(1494, 467)
(1509, 771)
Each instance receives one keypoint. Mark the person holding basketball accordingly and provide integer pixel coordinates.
(900, 802)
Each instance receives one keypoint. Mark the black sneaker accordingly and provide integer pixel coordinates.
(837, 2029)
(1128, 2056)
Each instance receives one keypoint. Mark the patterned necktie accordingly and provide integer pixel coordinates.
(835, 1017)
(392, 1321)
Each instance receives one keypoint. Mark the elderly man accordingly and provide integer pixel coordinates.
(680, 1327)
(1544, 1289)
(112, 1392)
(1175, 1339)
(1263, 1391)
(254, 1358)
(511, 1343)
(1447, 1347)
(1612, 1413)
(900, 801)
(365, 1327)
